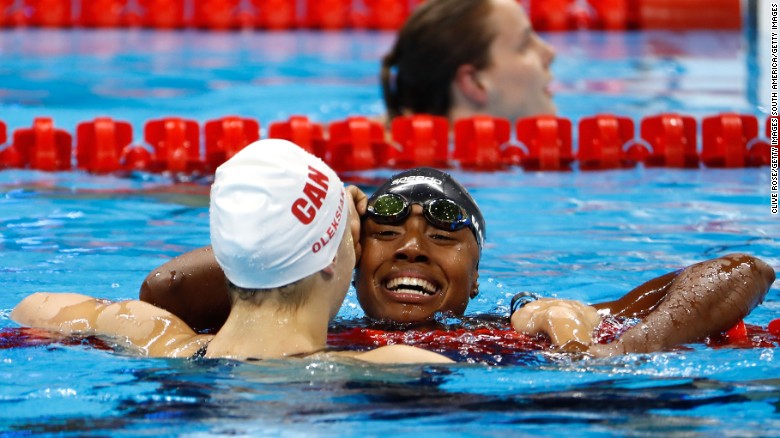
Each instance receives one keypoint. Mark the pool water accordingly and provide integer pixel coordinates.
(584, 235)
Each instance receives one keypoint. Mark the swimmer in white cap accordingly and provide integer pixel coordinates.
(278, 217)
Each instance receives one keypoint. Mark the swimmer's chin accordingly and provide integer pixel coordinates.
(404, 315)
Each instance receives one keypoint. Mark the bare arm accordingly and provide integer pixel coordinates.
(152, 331)
(398, 354)
(641, 300)
(191, 286)
(704, 299)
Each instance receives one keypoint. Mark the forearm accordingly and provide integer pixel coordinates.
(704, 299)
(641, 300)
(65, 312)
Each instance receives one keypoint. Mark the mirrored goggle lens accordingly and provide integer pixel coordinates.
(446, 214)
(388, 208)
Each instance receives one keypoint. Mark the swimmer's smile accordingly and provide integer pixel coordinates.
(410, 289)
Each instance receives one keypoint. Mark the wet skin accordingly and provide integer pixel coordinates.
(411, 270)
(518, 78)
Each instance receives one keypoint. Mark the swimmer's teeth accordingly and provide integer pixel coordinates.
(411, 285)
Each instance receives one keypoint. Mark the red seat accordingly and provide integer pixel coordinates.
(161, 14)
(228, 135)
(358, 143)
(380, 14)
(102, 13)
(690, 14)
(49, 13)
(610, 14)
(7, 13)
(101, 143)
(41, 147)
(424, 140)
(275, 14)
(327, 14)
(552, 15)
(548, 139)
(478, 142)
(672, 138)
(725, 139)
(176, 144)
(301, 131)
(216, 14)
(602, 139)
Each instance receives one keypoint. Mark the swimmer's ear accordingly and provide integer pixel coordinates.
(331, 268)
(471, 85)
(475, 288)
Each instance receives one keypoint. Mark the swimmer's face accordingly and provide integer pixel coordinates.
(517, 78)
(411, 270)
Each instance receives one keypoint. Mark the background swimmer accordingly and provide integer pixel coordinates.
(287, 278)
(488, 60)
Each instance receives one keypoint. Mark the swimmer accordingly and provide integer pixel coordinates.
(278, 221)
(488, 58)
(420, 258)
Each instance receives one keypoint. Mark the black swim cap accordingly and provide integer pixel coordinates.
(423, 184)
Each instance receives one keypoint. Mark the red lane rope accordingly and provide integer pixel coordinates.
(482, 143)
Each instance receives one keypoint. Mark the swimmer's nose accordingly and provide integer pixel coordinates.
(549, 53)
(411, 250)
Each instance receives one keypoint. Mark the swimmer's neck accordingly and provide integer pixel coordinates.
(267, 332)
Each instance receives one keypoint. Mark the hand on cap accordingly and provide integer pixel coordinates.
(360, 198)
(358, 204)
(564, 321)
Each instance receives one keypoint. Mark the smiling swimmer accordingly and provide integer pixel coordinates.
(422, 239)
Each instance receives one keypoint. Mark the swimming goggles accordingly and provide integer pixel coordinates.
(443, 213)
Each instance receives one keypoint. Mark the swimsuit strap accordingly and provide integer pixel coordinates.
(201, 353)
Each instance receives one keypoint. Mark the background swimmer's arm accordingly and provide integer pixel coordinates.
(153, 331)
(563, 321)
(704, 299)
(399, 354)
(191, 286)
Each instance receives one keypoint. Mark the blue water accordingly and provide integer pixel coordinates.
(583, 235)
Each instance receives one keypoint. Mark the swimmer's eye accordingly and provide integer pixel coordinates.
(526, 40)
(444, 237)
(386, 233)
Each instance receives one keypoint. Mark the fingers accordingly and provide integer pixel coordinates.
(360, 199)
(563, 321)
(354, 195)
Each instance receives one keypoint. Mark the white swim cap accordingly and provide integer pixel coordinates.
(277, 215)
